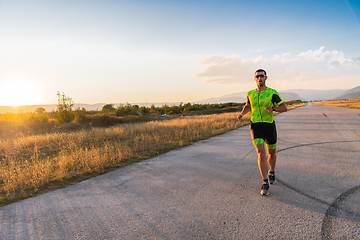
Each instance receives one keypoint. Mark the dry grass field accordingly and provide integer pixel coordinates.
(31, 165)
(349, 103)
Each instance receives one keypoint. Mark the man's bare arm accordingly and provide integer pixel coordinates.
(245, 110)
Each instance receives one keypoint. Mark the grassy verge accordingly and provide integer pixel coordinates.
(36, 164)
(349, 103)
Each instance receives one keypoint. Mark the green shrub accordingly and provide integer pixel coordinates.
(64, 113)
(80, 115)
(108, 108)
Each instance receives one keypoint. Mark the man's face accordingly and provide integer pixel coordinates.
(260, 78)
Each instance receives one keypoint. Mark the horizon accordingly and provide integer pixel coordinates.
(162, 51)
(162, 102)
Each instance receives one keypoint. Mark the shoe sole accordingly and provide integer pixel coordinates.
(264, 194)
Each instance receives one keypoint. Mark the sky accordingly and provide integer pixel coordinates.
(146, 51)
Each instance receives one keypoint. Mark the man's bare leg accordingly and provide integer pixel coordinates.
(272, 159)
(272, 163)
(262, 163)
(263, 167)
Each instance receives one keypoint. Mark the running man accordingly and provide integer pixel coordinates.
(262, 102)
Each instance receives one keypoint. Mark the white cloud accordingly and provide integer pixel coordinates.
(311, 54)
(224, 70)
(308, 68)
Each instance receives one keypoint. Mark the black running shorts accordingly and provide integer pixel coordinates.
(264, 133)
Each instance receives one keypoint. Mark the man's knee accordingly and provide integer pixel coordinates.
(261, 154)
(272, 151)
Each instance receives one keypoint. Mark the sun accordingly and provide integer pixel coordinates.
(19, 93)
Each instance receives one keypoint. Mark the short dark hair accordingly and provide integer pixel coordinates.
(261, 70)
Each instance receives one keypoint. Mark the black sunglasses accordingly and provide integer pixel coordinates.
(260, 76)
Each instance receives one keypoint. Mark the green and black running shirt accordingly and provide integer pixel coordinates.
(259, 100)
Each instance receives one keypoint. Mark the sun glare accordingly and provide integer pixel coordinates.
(19, 93)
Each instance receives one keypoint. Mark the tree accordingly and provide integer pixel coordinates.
(134, 109)
(152, 108)
(144, 109)
(64, 111)
(108, 108)
(40, 110)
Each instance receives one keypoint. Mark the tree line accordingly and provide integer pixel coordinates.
(41, 121)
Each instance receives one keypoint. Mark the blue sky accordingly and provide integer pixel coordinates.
(171, 51)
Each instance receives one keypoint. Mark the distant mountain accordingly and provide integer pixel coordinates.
(311, 94)
(354, 92)
(88, 107)
(48, 107)
(240, 97)
(235, 97)
(288, 95)
(27, 108)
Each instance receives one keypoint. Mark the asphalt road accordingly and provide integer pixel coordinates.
(211, 190)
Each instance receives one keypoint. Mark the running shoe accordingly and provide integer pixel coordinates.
(272, 178)
(265, 189)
